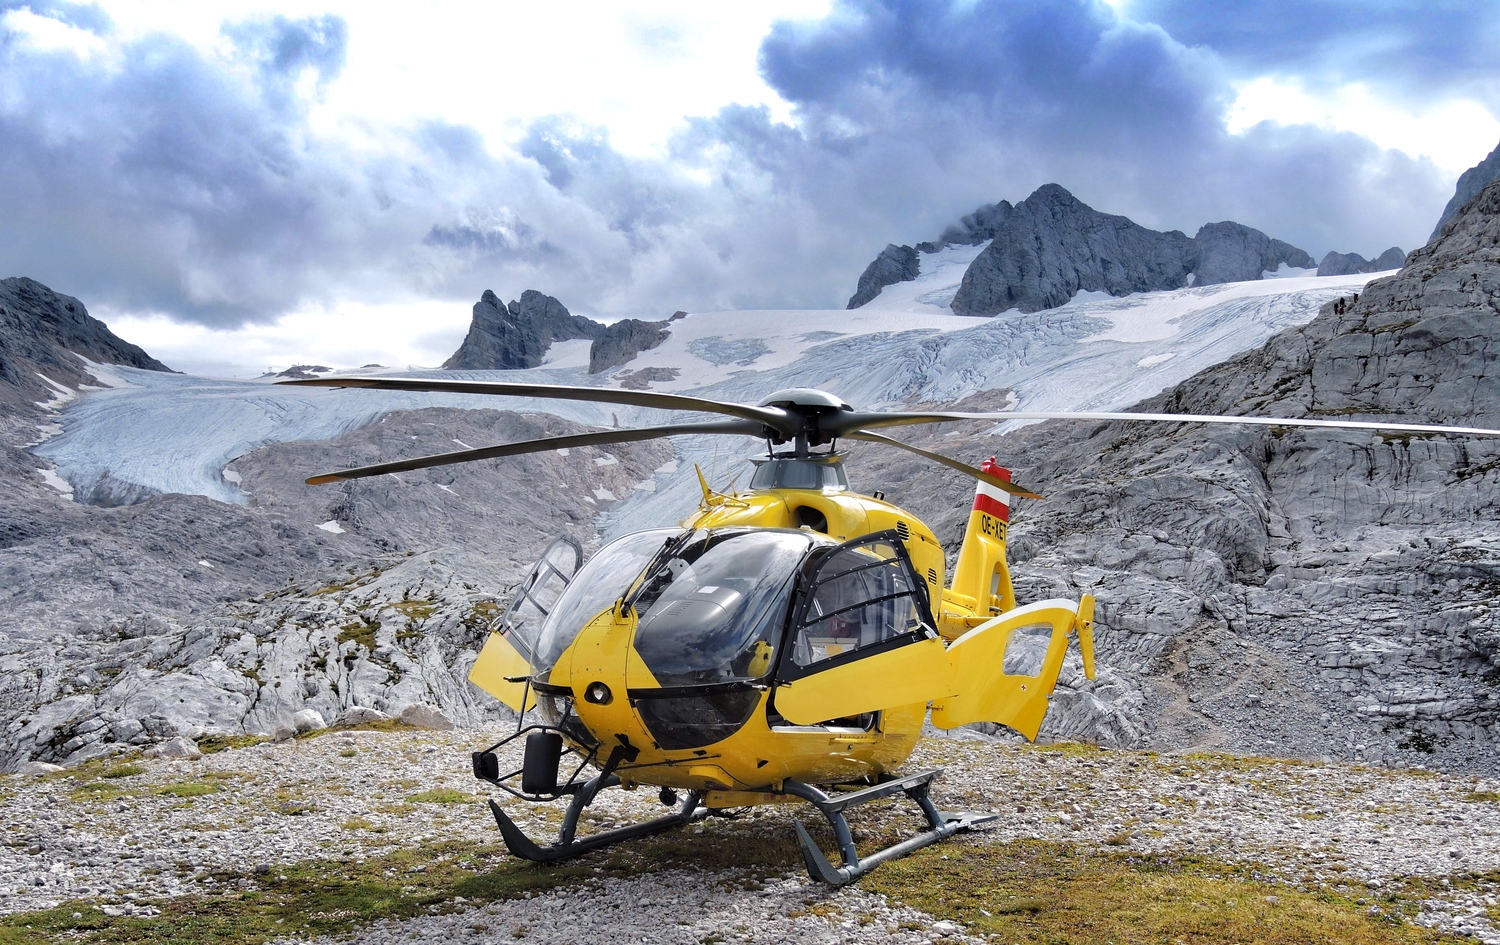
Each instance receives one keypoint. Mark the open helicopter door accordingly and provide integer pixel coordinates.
(861, 637)
(992, 687)
(505, 662)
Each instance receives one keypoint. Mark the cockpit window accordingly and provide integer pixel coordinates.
(713, 611)
(599, 583)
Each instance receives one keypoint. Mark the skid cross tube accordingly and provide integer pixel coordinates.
(832, 807)
(569, 845)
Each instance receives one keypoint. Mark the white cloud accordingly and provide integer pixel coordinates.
(1454, 134)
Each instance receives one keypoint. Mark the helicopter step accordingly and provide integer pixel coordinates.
(570, 845)
(943, 824)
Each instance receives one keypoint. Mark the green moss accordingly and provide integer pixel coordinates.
(441, 796)
(1039, 892)
(187, 789)
(360, 633)
(303, 900)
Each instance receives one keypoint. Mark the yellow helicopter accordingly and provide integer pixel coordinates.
(783, 644)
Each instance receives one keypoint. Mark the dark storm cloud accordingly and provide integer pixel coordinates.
(989, 99)
(1411, 50)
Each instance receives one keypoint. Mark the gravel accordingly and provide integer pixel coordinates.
(123, 844)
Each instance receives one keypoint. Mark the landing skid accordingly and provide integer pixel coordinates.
(832, 807)
(570, 845)
(942, 824)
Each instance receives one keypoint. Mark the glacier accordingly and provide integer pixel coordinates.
(156, 433)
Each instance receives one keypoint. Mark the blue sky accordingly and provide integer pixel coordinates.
(263, 183)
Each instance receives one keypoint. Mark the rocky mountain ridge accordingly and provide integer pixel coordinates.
(508, 337)
(1052, 246)
(1470, 184)
(44, 337)
(1343, 264)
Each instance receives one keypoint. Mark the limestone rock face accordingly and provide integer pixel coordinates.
(1054, 246)
(620, 342)
(505, 337)
(1470, 183)
(44, 333)
(1279, 591)
(182, 616)
(1233, 252)
(894, 264)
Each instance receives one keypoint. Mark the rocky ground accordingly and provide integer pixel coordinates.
(124, 840)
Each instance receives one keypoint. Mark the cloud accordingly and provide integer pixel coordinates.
(1411, 50)
(211, 186)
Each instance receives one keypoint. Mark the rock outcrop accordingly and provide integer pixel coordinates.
(1233, 252)
(1470, 183)
(505, 337)
(620, 342)
(894, 264)
(1347, 264)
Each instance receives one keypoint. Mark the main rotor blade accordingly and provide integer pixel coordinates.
(605, 438)
(939, 458)
(780, 420)
(865, 419)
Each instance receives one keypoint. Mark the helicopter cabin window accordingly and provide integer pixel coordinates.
(865, 595)
(536, 596)
(603, 580)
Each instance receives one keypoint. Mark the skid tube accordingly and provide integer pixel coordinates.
(941, 823)
(570, 845)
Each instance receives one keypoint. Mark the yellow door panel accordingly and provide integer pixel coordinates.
(985, 692)
(498, 660)
(916, 673)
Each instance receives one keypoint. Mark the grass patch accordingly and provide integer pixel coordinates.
(124, 771)
(1037, 892)
(415, 609)
(362, 634)
(187, 789)
(1483, 797)
(441, 796)
(304, 900)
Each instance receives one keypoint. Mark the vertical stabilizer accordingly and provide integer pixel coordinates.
(982, 574)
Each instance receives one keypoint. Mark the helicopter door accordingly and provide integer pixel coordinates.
(861, 639)
(510, 650)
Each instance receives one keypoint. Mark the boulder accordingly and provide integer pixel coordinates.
(419, 715)
(307, 720)
(180, 748)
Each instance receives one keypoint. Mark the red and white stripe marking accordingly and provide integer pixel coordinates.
(987, 498)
